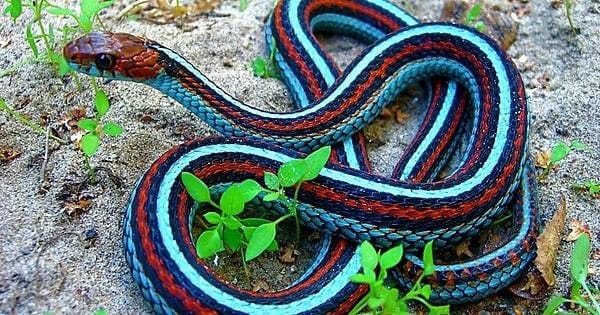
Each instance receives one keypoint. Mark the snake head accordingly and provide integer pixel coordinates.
(113, 56)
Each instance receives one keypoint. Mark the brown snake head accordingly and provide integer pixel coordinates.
(114, 56)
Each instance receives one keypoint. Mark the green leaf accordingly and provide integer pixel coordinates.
(439, 310)
(553, 304)
(212, 217)
(243, 5)
(390, 305)
(473, 14)
(368, 256)
(63, 65)
(274, 246)
(375, 302)
(31, 41)
(101, 311)
(271, 196)
(102, 104)
(259, 67)
(272, 181)
(89, 144)
(248, 231)
(315, 163)
(370, 275)
(262, 237)
(209, 243)
(391, 257)
(112, 129)
(359, 278)
(580, 258)
(428, 266)
(232, 223)
(59, 11)
(425, 291)
(85, 22)
(16, 8)
(559, 152)
(87, 124)
(291, 172)
(231, 202)
(249, 188)
(254, 222)
(233, 239)
(195, 187)
(578, 145)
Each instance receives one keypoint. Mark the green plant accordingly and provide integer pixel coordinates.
(26, 121)
(95, 129)
(579, 271)
(263, 68)
(244, 4)
(227, 230)
(37, 30)
(472, 18)
(101, 311)
(382, 299)
(89, 10)
(592, 187)
(560, 151)
(569, 11)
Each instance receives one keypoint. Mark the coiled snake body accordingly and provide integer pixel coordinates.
(411, 207)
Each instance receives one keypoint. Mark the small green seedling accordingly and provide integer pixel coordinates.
(244, 5)
(579, 270)
(569, 11)
(95, 130)
(592, 187)
(382, 299)
(36, 29)
(472, 18)
(263, 68)
(560, 151)
(27, 122)
(226, 230)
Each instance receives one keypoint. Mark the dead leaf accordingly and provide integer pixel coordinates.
(261, 286)
(163, 12)
(385, 114)
(534, 288)
(577, 228)
(401, 116)
(462, 249)
(548, 243)
(69, 120)
(5, 43)
(542, 159)
(289, 255)
(8, 154)
(76, 208)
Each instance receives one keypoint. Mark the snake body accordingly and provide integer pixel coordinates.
(412, 207)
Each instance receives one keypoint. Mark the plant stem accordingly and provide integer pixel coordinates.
(360, 305)
(38, 19)
(589, 293)
(246, 271)
(91, 173)
(295, 212)
(25, 121)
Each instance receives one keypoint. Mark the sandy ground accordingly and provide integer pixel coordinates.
(50, 265)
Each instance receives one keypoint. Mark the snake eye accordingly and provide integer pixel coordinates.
(105, 61)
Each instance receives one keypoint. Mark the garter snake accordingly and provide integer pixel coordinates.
(412, 207)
